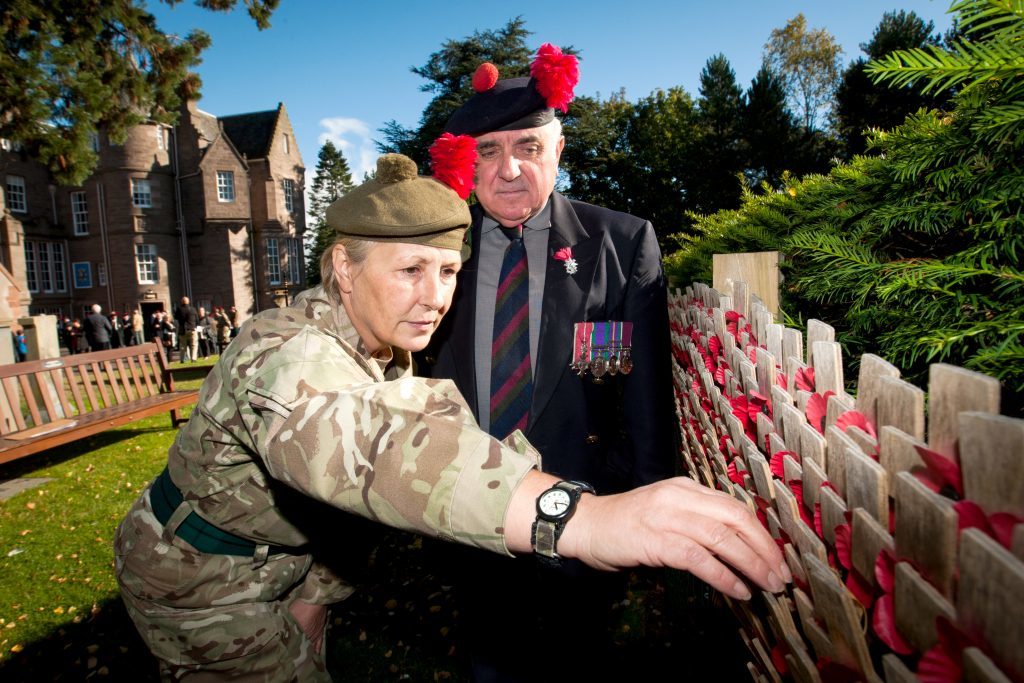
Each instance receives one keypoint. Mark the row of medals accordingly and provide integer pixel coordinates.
(599, 366)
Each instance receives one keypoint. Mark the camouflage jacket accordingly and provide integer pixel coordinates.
(297, 401)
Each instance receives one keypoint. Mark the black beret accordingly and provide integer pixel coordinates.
(512, 104)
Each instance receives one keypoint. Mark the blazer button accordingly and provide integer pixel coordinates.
(591, 439)
(429, 360)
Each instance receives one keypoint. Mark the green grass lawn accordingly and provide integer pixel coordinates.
(61, 617)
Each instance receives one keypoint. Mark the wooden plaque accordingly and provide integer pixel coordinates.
(833, 513)
(990, 599)
(926, 530)
(872, 369)
(992, 461)
(835, 604)
(868, 539)
(896, 452)
(818, 331)
(917, 605)
(827, 360)
(978, 668)
(953, 390)
(867, 485)
(901, 405)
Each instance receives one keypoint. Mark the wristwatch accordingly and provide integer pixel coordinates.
(555, 507)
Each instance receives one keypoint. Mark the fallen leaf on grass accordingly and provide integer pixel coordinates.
(30, 506)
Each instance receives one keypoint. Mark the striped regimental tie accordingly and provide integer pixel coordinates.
(511, 381)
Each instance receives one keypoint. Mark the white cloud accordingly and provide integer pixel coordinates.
(352, 137)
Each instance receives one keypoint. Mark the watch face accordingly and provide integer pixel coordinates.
(554, 504)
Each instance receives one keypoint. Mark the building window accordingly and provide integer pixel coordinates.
(140, 224)
(225, 186)
(94, 142)
(146, 264)
(287, 145)
(142, 196)
(60, 278)
(273, 261)
(294, 261)
(80, 213)
(161, 140)
(101, 274)
(44, 266)
(16, 194)
(289, 194)
(5, 144)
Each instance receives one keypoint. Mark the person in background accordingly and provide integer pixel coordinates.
(115, 330)
(235, 317)
(76, 335)
(187, 318)
(224, 329)
(137, 327)
(127, 336)
(315, 403)
(20, 347)
(98, 329)
(205, 329)
(579, 265)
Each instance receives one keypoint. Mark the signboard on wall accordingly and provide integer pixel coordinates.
(82, 273)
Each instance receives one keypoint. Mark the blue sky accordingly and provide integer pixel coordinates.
(343, 68)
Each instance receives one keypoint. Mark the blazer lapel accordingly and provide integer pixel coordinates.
(565, 300)
(464, 314)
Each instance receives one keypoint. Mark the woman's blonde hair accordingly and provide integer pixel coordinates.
(357, 251)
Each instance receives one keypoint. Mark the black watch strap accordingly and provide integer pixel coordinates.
(546, 532)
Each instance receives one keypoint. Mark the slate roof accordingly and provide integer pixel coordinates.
(251, 134)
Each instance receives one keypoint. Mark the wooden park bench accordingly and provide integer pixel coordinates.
(51, 402)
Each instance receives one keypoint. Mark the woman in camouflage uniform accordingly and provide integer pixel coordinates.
(214, 559)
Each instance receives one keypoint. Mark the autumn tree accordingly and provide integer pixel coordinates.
(332, 180)
(809, 63)
(70, 68)
(860, 104)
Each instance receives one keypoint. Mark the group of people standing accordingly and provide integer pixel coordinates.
(99, 331)
(194, 333)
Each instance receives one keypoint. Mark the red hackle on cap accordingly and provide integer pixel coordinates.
(485, 76)
(453, 162)
(556, 74)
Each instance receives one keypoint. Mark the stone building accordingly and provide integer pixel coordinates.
(211, 208)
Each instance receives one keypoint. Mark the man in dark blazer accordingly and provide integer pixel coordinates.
(616, 432)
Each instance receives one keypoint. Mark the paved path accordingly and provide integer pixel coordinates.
(14, 486)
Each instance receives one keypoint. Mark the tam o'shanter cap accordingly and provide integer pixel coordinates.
(518, 103)
(398, 205)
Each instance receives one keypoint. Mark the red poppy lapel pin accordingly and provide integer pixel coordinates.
(565, 254)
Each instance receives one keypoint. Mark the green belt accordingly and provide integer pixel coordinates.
(204, 537)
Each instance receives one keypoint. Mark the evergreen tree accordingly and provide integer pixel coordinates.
(663, 139)
(769, 128)
(914, 253)
(596, 161)
(808, 61)
(70, 68)
(860, 104)
(449, 75)
(720, 115)
(332, 180)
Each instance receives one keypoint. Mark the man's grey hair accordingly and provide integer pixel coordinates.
(96, 308)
